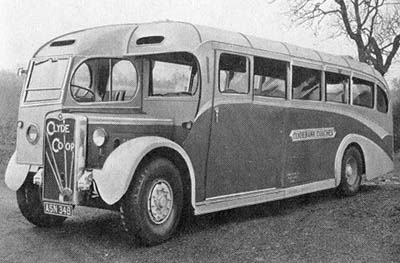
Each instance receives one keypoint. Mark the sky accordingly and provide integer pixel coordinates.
(26, 25)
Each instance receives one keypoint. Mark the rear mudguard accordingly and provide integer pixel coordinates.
(15, 173)
(114, 178)
(377, 162)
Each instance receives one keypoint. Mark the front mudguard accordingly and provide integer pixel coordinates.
(15, 173)
(114, 178)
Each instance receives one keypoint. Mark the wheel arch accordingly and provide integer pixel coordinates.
(113, 179)
(375, 160)
(176, 158)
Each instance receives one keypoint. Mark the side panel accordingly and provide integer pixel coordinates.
(32, 115)
(303, 157)
(316, 155)
(245, 148)
(196, 146)
(119, 132)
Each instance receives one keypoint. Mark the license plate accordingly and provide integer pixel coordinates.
(57, 209)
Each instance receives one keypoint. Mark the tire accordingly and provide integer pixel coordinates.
(31, 206)
(153, 222)
(352, 167)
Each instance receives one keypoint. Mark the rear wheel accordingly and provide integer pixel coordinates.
(153, 204)
(31, 206)
(352, 166)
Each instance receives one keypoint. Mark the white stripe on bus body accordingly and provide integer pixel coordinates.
(260, 196)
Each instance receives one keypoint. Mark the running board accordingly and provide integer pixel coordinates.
(225, 202)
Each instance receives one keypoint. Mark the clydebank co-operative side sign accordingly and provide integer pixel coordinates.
(312, 134)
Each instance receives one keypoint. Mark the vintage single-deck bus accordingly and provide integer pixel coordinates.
(156, 120)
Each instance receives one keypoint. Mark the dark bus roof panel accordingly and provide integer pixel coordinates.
(168, 36)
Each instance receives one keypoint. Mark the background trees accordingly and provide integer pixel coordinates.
(373, 25)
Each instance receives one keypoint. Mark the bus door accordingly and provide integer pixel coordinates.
(237, 160)
(304, 133)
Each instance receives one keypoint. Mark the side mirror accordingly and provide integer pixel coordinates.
(21, 71)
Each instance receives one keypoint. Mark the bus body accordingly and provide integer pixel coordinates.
(155, 118)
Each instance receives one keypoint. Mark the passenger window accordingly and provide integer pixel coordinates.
(362, 92)
(269, 77)
(381, 100)
(104, 79)
(173, 74)
(124, 81)
(233, 74)
(306, 83)
(337, 86)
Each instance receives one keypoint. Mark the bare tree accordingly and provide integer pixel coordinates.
(374, 25)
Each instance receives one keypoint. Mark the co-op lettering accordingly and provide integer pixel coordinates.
(56, 144)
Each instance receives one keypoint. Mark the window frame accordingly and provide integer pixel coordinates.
(248, 72)
(385, 95)
(26, 89)
(356, 76)
(318, 68)
(347, 92)
(286, 78)
(150, 77)
(110, 71)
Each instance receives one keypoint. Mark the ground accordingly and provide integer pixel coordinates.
(318, 227)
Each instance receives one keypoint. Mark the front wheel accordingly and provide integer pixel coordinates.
(153, 204)
(352, 165)
(30, 204)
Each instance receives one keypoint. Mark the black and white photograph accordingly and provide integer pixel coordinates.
(199, 131)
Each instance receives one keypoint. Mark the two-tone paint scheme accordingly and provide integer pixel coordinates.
(232, 149)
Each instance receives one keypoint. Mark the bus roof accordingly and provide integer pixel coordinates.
(169, 36)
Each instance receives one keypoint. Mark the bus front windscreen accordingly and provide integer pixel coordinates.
(45, 83)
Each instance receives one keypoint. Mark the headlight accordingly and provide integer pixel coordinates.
(32, 134)
(99, 137)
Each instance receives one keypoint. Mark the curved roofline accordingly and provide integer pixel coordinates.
(185, 38)
(74, 32)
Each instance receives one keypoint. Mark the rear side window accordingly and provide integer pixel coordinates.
(337, 86)
(269, 77)
(233, 74)
(306, 83)
(362, 92)
(381, 100)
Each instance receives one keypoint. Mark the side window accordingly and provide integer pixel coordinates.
(269, 77)
(81, 84)
(337, 86)
(233, 74)
(124, 81)
(104, 79)
(173, 74)
(306, 83)
(362, 92)
(381, 100)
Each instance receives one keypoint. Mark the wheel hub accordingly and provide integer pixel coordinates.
(160, 201)
(351, 171)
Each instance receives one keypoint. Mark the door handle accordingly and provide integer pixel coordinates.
(216, 109)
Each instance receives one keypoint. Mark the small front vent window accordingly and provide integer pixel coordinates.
(62, 43)
(149, 40)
